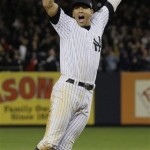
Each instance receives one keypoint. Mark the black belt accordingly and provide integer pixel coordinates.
(85, 85)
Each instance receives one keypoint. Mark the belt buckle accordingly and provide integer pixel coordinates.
(87, 86)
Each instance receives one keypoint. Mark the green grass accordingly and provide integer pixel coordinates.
(102, 138)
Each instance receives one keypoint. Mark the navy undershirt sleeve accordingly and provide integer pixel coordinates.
(55, 18)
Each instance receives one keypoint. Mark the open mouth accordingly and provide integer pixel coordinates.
(81, 18)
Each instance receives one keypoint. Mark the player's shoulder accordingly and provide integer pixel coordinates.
(61, 18)
(99, 12)
(64, 15)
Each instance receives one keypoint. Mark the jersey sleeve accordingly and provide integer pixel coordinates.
(62, 23)
(102, 16)
(114, 3)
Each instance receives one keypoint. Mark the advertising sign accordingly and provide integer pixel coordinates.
(135, 98)
(142, 99)
(25, 98)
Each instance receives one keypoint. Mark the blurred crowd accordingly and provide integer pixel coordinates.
(29, 43)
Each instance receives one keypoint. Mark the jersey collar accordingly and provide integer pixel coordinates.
(87, 27)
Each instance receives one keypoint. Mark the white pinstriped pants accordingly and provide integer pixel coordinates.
(68, 116)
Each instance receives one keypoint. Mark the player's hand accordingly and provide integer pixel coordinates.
(47, 3)
(50, 6)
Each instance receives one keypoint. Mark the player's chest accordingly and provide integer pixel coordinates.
(88, 42)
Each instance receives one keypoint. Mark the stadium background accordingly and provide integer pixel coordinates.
(29, 63)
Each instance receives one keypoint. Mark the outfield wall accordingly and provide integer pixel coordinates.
(119, 99)
(123, 98)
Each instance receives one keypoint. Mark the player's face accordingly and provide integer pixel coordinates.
(82, 14)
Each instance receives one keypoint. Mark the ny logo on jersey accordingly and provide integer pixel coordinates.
(97, 44)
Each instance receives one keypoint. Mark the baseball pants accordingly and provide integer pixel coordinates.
(69, 114)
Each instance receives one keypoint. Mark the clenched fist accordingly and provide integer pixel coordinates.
(47, 3)
(50, 6)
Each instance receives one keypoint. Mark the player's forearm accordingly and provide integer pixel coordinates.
(114, 3)
(50, 6)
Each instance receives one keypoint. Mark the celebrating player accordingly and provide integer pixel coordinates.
(80, 48)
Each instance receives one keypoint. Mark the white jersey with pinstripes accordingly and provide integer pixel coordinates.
(80, 48)
(79, 60)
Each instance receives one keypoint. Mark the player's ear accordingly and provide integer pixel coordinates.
(92, 11)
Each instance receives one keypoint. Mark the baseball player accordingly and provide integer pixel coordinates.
(80, 48)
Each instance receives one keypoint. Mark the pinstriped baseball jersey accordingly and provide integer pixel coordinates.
(80, 48)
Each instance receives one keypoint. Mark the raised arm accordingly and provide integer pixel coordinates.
(114, 3)
(50, 6)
